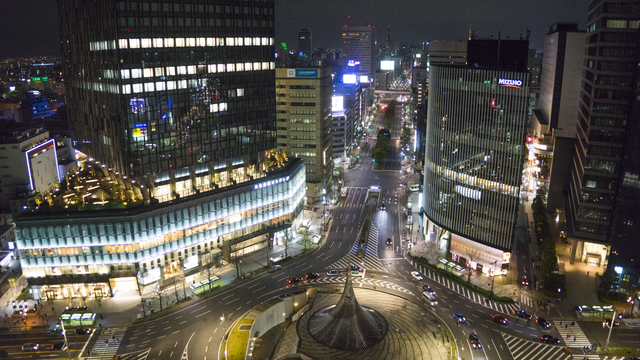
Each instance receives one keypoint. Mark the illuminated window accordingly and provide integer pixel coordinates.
(231, 41)
(213, 108)
(148, 72)
(270, 41)
(182, 84)
(146, 43)
(211, 41)
(148, 87)
(248, 41)
(265, 66)
(247, 66)
(617, 24)
(137, 88)
(134, 43)
(160, 85)
(256, 41)
(231, 67)
(240, 66)
(220, 68)
(191, 42)
(239, 41)
(123, 44)
(168, 42)
(171, 70)
(265, 41)
(191, 69)
(125, 74)
(136, 73)
(182, 70)
(273, 65)
(223, 106)
(219, 41)
(179, 42)
(211, 68)
(157, 42)
(240, 92)
(126, 89)
(159, 71)
(201, 41)
(256, 66)
(171, 85)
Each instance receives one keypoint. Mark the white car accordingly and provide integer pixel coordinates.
(414, 187)
(416, 275)
(430, 298)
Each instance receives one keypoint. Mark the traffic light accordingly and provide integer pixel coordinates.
(358, 156)
(374, 160)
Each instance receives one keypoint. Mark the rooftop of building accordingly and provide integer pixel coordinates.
(12, 132)
(92, 193)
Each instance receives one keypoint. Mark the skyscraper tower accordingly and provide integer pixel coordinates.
(604, 190)
(157, 86)
(358, 45)
(305, 46)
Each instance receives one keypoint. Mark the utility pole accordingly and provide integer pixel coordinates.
(144, 311)
(613, 319)
(64, 332)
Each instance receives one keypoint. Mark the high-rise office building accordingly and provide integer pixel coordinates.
(174, 104)
(359, 50)
(476, 120)
(305, 46)
(303, 110)
(157, 86)
(604, 189)
(552, 139)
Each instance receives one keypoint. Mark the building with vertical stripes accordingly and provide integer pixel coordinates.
(475, 141)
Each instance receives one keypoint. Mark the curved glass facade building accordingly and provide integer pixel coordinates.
(473, 160)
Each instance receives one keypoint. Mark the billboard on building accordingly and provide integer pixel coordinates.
(337, 103)
(387, 65)
(349, 79)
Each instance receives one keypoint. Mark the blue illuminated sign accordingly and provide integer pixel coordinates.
(306, 72)
(510, 83)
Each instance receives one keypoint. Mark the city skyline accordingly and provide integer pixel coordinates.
(412, 22)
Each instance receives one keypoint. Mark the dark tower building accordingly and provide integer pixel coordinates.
(602, 202)
(476, 119)
(156, 86)
(305, 46)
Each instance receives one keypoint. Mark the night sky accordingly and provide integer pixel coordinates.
(30, 27)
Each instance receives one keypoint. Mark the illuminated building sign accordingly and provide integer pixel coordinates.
(304, 73)
(140, 129)
(353, 63)
(510, 83)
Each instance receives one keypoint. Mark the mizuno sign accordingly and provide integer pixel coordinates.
(510, 83)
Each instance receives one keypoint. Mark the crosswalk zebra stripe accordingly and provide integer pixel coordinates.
(371, 260)
(455, 287)
(578, 338)
(522, 349)
(357, 280)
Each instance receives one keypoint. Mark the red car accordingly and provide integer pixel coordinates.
(500, 319)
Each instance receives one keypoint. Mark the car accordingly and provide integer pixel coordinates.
(607, 322)
(275, 268)
(82, 331)
(416, 275)
(459, 317)
(522, 314)
(414, 187)
(500, 319)
(382, 207)
(55, 332)
(333, 272)
(30, 347)
(294, 280)
(389, 242)
(546, 338)
(430, 298)
(544, 323)
(525, 281)
(428, 289)
(60, 345)
(475, 341)
(310, 276)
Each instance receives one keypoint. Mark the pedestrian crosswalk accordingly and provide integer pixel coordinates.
(356, 281)
(473, 296)
(370, 261)
(522, 349)
(526, 300)
(109, 341)
(572, 334)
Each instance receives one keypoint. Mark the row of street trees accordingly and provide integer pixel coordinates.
(381, 149)
(389, 114)
(548, 258)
